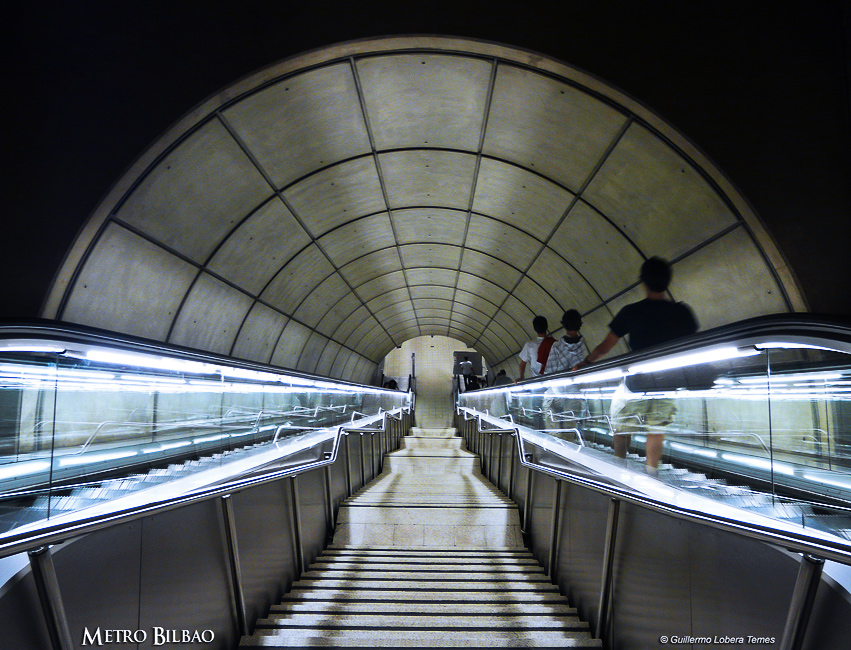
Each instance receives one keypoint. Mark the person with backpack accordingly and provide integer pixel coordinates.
(536, 352)
(570, 349)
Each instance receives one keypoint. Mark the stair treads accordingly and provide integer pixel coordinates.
(408, 621)
(430, 452)
(521, 597)
(365, 561)
(437, 551)
(410, 491)
(435, 608)
(425, 585)
(484, 505)
(422, 638)
(389, 503)
(425, 565)
(487, 592)
(477, 575)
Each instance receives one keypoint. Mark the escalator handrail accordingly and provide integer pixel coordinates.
(797, 327)
(21, 542)
(800, 543)
(66, 333)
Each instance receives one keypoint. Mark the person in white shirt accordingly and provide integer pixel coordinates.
(529, 354)
(466, 371)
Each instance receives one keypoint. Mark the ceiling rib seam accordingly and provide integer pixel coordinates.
(212, 255)
(447, 286)
(283, 200)
(479, 148)
(450, 150)
(143, 235)
(78, 268)
(295, 215)
(566, 212)
(380, 172)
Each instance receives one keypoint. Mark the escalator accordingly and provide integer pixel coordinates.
(259, 546)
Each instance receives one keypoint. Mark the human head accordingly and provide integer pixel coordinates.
(656, 274)
(500, 373)
(540, 324)
(571, 320)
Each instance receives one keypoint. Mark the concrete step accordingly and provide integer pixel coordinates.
(435, 554)
(421, 638)
(449, 552)
(416, 563)
(424, 535)
(434, 608)
(494, 515)
(416, 586)
(431, 452)
(357, 620)
(420, 432)
(469, 597)
(391, 501)
(432, 464)
(455, 484)
(410, 494)
(477, 575)
(391, 570)
(412, 442)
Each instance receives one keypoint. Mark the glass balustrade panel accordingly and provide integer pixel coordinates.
(82, 429)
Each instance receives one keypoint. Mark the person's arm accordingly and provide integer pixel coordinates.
(522, 370)
(601, 350)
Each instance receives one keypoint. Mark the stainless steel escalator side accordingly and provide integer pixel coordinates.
(711, 545)
(152, 485)
(675, 569)
(167, 567)
(87, 416)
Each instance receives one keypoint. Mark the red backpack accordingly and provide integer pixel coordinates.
(544, 351)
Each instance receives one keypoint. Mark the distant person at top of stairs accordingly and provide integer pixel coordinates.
(466, 371)
(502, 379)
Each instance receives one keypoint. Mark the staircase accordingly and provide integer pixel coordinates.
(427, 555)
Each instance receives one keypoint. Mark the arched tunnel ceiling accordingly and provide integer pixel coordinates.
(328, 208)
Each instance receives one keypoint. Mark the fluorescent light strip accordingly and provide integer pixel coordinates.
(34, 347)
(23, 468)
(696, 358)
(785, 345)
(759, 463)
(86, 459)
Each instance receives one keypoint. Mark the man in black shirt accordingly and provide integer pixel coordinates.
(651, 321)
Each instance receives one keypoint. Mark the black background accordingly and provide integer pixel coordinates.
(760, 87)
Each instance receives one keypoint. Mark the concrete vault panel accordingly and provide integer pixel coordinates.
(334, 205)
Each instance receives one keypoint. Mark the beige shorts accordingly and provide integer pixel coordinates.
(641, 413)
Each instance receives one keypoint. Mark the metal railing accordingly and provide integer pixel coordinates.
(814, 550)
(37, 543)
